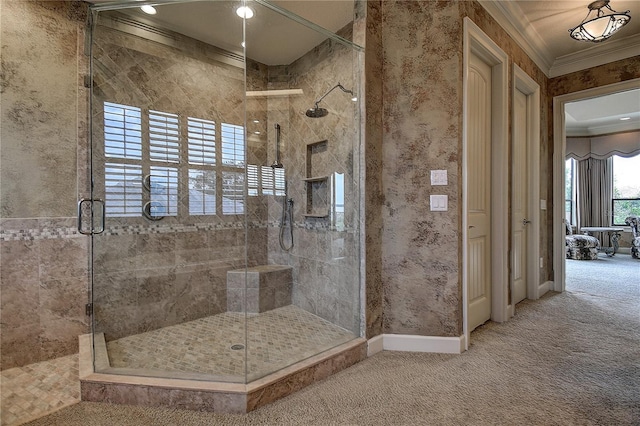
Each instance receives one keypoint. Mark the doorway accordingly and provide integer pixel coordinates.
(559, 143)
(525, 191)
(492, 245)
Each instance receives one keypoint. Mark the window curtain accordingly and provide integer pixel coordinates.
(594, 192)
(602, 147)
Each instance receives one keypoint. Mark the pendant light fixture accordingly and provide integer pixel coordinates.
(602, 26)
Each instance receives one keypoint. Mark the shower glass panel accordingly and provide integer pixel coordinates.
(218, 262)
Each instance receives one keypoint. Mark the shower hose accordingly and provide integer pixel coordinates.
(287, 218)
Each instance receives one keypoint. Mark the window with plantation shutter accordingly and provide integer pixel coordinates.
(123, 189)
(232, 145)
(202, 192)
(164, 137)
(201, 141)
(122, 131)
(279, 182)
(252, 180)
(148, 153)
(232, 192)
(267, 180)
(272, 181)
(122, 146)
(164, 191)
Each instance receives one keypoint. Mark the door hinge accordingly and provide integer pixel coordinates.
(89, 309)
(87, 81)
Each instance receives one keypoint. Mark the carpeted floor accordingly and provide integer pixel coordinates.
(567, 359)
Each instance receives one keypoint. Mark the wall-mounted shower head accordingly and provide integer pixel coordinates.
(316, 111)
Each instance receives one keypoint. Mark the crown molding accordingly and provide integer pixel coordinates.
(600, 54)
(511, 18)
(605, 129)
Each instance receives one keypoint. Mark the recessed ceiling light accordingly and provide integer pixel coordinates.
(244, 12)
(256, 121)
(148, 9)
(625, 118)
(257, 133)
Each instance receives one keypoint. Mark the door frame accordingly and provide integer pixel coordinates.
(559, 153)
(476, 41)
(524, 83)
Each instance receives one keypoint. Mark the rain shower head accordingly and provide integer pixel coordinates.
(316, 111)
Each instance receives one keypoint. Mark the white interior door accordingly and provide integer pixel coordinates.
(519, 198)
(479, 192)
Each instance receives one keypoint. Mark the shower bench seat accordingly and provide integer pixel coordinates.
(267, 287)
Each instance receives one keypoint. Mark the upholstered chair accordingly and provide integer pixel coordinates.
(580, 247)
(634, 223)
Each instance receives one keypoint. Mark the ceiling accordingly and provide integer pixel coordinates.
(539, 27)
(617, 112)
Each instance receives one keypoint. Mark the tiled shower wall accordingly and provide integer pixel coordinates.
(152, 275)
(325, 257)
(145, 273)
(43, 278)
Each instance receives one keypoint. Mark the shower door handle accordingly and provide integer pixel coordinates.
(88, 204)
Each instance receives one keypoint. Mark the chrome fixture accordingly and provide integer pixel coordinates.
(602, 26)
(277, 164)
(287, 217)
(245, 12)
(317, 112)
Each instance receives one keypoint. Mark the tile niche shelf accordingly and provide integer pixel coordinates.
(317, 183)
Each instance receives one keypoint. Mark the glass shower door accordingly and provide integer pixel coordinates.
(167, 158)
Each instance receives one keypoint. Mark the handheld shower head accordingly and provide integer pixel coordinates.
(316, 111)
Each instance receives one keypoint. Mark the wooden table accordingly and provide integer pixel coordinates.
(613, 232)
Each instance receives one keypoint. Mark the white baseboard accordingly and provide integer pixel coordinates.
(544, 287)
(412, 343)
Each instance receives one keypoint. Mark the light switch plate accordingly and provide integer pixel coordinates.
(543, 204)
(438, 203)
(438, 177)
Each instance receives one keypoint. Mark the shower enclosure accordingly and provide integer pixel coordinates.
(202, 154)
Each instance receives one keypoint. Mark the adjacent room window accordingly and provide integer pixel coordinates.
(570, 191)
(626, 188)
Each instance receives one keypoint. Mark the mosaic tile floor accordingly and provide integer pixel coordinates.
(37, 389)
(274, 339)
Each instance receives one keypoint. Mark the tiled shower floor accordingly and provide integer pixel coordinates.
(37, 389)
(274, 339)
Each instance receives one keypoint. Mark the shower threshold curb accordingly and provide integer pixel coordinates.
(203, 395)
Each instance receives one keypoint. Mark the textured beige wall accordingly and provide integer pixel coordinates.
(422, 45)
(422, 48)
(603, 75)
